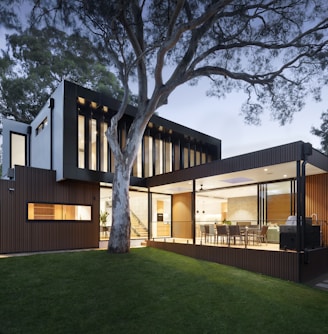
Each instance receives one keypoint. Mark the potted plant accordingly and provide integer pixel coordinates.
(226, 222)
(103, 217)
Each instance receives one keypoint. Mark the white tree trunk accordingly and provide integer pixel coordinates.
(119, 241)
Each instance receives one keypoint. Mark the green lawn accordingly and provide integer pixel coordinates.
(150, 291)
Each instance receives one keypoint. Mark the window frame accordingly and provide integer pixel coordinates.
(63, 205)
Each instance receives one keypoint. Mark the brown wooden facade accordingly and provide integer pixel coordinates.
(287, 265)
(316, 201)
(17, 234)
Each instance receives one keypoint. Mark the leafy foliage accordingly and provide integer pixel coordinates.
(271, 50)
(322, 132)
(37, 60)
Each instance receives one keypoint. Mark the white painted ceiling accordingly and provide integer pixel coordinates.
(212, 186)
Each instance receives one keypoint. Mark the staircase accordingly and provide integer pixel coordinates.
(138, 228)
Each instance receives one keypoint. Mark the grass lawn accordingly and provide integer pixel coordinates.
(150, 291)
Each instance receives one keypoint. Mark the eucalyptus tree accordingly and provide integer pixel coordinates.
(275, 51)
(322, 132)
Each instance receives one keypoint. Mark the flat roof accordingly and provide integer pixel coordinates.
(273, 164)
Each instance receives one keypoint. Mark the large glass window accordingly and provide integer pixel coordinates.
(48, 211)
(81, 138)
(281, 202)
(148, 157)
(138, 213)
(234, 204)
(17, 150)
(93, 144)
(168, 157)
(162, 149)
(161, 215)
(159, 156)
(103, 147)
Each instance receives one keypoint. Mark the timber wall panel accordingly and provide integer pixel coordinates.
(181, 215)
(291, 266)
(284, 265)
(278, 208)
(38, 185)
(317, 202)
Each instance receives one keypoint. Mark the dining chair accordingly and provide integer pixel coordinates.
(222, 232)
(262, 235)
(207, 232)
(234, 233)
(211, 232)
(202, 233)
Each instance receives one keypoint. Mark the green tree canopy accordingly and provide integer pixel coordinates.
(36, 60)
(322, 132)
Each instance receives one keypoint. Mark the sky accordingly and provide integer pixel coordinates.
(221, 118)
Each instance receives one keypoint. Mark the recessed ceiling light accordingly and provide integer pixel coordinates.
(265, 169)
(285, 175)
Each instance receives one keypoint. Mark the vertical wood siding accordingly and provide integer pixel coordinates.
(38, 185)
(317, 202)
(285, 265)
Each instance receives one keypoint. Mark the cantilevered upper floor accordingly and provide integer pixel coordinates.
(68, 136)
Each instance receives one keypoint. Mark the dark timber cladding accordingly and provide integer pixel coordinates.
(291, 266)
(166, 145)
(37, 185)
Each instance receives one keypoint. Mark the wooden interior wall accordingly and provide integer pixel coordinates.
(278, 208)
(317, 202)
(38, 185)
(181, 215)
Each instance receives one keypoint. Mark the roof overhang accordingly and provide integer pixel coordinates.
(270, 165)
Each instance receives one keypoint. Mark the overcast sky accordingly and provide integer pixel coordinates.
(221, 118)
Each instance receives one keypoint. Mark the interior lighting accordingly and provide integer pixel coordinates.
(93, 105)
(81, 100)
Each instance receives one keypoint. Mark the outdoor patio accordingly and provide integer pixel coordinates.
(259, 246)
(262, 258)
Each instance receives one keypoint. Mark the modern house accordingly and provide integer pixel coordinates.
(56, 191)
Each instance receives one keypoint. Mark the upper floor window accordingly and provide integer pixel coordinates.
(41, 126)
(17, 149)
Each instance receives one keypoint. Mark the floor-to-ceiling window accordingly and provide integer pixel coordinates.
(260, 204)
(138, 213)
(161, 215)
(104, 148)
(162, 150)
(229, 204)
(81, 141)
(281, 201)
(93, 144)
